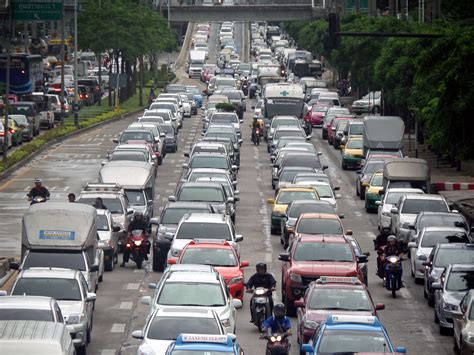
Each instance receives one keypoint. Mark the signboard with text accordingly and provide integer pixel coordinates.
(37, 11)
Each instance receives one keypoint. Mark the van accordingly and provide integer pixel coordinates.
(21, 337)
(60, 235)
(406, 173)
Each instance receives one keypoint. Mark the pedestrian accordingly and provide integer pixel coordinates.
(71, 197)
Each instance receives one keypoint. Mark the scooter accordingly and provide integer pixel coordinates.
(245, 89)
(138, 245)
(257, 135)
(393, 274)
(259, 306)
(38, 199)
(277, 344)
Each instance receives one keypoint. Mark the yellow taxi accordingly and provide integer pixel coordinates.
(284, 197)
(352, 153)
(372, 191)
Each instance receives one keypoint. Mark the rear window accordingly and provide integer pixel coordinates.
(460, 281)
(298, 209)
(203, 230)
(174, 215)
(320, 226)
(198, 194)
(430, 239)
(26, 314)
(323, 252)
(414, 206)
(446, 256)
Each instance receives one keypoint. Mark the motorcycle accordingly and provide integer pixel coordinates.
(393, 274)
(138, 245)
(260, 306)
(38, 199)
(245, 89)
(277, 344)
(257, 135)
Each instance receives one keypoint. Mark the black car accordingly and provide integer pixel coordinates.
(167, 224)
(30, 110)
(94, 89)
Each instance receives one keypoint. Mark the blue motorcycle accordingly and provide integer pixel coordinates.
(393, 274)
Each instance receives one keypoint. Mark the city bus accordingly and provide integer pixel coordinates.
(26, 73)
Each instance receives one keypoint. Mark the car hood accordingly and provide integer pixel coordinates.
(104, 235)
(154, 346)
(407, 218)
(330, 268)
(424, 251)
(321, 315)
(228, 272)
(70, 307)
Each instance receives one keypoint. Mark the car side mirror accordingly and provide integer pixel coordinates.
(152, 286)
(162, 135)
(308, 137)
(239, 238)
(116, 229)
(325, 167)
(244, 263)
(412, 245)
(341, 216)
(138, 334)
(359, 171)
(336, 188)
(252, 107)
(378, 203)
(172, 198)
(90, 297)
(349, 232)
(237, 303)
(129, 211)
(361, 259)
(394, 210)
(154, 221)
(284, 257)
(379, 306)
(184, 166)
(422, 257)
(95, 268)
(401, 350)
(146, 300)
(427, 263)
(115, 140)
(271, 201)
(411, 226)
(307, 348)
(103, 163)
(299, 304)
(186, 155)
(234, 167)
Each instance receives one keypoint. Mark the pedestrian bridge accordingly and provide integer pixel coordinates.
(246, 10)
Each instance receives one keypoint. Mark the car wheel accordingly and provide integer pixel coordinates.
(109, 266)
(362, 193)
(157, 266)
(431, 300)
(419, 281)
(160, 160)
(344, 167)
(445, 331)
(425, 295)
(81, 350)
(290, 308)
(88, 336)
(436, 319)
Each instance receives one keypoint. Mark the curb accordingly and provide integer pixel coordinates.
(185, 45)
(8, 172)
(453, 186)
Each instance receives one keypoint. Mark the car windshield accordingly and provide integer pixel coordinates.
(288, 175)
(352, 342)
(393, 197)
(356, 129)
(136, 197)
(73, 260)
(196, 230)
(137, 136)
(169, 328)
(232, 136)
(320, 226)
(225, 82)
(194, 176)
(114, 205)
(285, 122)
(340, 299)
(201, 193)
(190, 293)
(209, 256)
(376, 180)
(309, 161)
(193, 89)
(437, 220)
(447, 256)
(26, 314)
(152, 119)
(174, 215)
(460, 281)
(371, 167)
(414, 206)
(219, 118)
(286, 133)
(298, 209)
(309, 251)
(128, 156)
(60, 289)
(354, 144)
(285, 197)
(213, 162)
(102, 223)
(431, 238)
(20, 119)
(324, 191)
(166, 128)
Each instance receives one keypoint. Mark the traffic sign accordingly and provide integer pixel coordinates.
(37, 11)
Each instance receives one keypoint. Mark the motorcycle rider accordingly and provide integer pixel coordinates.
(71, 197)
(38, 190)
(255, 124)
(391, 248)
(279, 323)
(138, 223)
(261, 279)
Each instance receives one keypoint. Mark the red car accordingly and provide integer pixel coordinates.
(332, 124)
(310, 257)
(316, 115)
(328, 295)
(223, 257)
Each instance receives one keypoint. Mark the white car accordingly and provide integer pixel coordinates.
(370, 103)
(201, 290)
(325, 191)
(390, 198)
(186, 105)
(166, 324)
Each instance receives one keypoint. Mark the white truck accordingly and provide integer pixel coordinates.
(197, 59)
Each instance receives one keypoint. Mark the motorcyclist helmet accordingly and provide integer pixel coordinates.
(279, 310)
(391, 238)
(38, 181)
(138, 215)
(261, 267)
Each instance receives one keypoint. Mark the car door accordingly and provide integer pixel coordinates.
(460, 323)
(88, 306)
(396, 216)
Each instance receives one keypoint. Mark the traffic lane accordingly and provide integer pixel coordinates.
(408, 318)
(64, 168)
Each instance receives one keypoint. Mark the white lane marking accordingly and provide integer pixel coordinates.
(66, 188)
(133, 286)
(177, 171)
(358, 214)
(428, 335)
(118, 328)
(172, 161)
(108, 352)
(126, 305)
(405, 293)
(171, 184)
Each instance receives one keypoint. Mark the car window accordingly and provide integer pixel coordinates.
(460, 281)
(26, 314)
(454, 220)
(414, 206)
(471, 313)
(102, 223)
(174, 215)
(60, 289)
(339, 299)
(114, 205)
(352, 341)
(354, 144)
(323, 252)
(72, 260)
(285, 197)
(168, 328)
(209, 256)
(320, 226)
(298, 209)
(196, 230)
(446, 256)
(431, 238)
(201, 194)
(191, 294)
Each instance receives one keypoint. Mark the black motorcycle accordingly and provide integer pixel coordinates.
(260, 306)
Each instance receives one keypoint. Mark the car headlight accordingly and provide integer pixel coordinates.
(75, 318)
(105, 243)
(175, 252)
(309, 324)
(236, 280)
(449, 307)
(225, 322)
(296, 278)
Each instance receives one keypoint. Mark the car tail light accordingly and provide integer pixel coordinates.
(12, 131)
(2, 134)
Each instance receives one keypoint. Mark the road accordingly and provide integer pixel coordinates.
(67, 166)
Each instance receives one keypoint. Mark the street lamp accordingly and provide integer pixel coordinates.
(76, 103)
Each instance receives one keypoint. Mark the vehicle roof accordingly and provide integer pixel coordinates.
(186, 276)
(404, 189)
(185, 204)
(189, 312)
(296, 188)
(406, 168)
(424, 197)
(41, 272)
(318, 216)
(31, 331)
(119, 172)
(444, 229)
(191, 268)
(306, 202)
(205, 217)
(321, 238)
(200, 185)
(26, 302)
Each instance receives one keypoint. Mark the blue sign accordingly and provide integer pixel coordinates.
(57, 235)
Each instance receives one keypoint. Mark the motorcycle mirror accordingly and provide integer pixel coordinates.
(94, 268)
(171, 261)
(284, 257)
(138, 334)
(14, 265)
(401, 350)
(244, 263)
(237, 303)
(336, 188)
(379, 306)
(349, 232)
(299, 304)
(146, 300)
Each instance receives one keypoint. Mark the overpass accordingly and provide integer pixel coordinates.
(247, 10)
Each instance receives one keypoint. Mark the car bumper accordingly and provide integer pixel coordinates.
(237, 291)
(351, 161)
(78, 333)
(445, 318)
(419, 269)
(371, 199)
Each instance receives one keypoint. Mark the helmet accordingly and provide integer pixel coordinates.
(279, 310)
(391, 237)
(138, 214)
(261, 266)
(38, 181)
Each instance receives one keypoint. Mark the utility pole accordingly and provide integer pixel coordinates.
(7, 84)
(169, 13)
(76, 103)
(62, 54)
(99, 58)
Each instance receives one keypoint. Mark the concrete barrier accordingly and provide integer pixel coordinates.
(7, 275)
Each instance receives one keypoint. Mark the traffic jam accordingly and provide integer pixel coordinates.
(315, 296)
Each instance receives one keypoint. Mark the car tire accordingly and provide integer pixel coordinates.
(362, 193)
(425, 295)
(357, 190)
(274, 231)
(109, 266)
(436, 319)
(445, 331)
(160, 160)
(81, 350)
(290, 308)
(344, 167)
(419, 281)
(157, 266)
(431, 302)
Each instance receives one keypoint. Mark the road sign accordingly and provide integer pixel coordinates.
(37, 11)
(122, 80)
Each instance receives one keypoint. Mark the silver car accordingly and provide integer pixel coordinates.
(108, 238)
(30, 308)
(464, 325)
(455, 282)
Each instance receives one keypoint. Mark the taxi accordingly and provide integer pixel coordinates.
(350, 334)
(284, 197)
(198, 344)
(329, 294)
(372, 191)
(222, 256)
(353, 153)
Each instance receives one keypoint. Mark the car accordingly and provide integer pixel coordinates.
(389, 200)
(205, 344)
(237, 98)
(351, 334)
(225, 118)
(331, 126)
(320, 223)
(339, 129)
(325, 191)
(194, 175)
(285, 131)
(23, 307)
(286, 175)
(44, 109)
(407, 208)
(158, 137)
(165, 325)
(94, 88)
(203, 226)
(294, 210)
(330, 114)
(284, 197)
(142, 135)
(329, 294)
(5, 133)
(233, 149)
(197, 94)
(16, 132)
(440, 257)
(280, 121)
(352, 153)
(300, 159)
(365, 174)
(314, 177)
(212, 161)
(372, 194)
(311, 256)
(70, 289)
(208, 147)
(223, 257)
(370, 103)
(85, 95)
(170, 139)
(463, 325)
(27, 129)
(203, 290)
(426, 240)
(454, 283)
(187, 104)
(108, 238)
(141, 147)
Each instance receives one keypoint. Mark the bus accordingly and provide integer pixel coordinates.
(54, 49)
(26, 73)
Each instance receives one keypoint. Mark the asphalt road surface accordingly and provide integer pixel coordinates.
(67, 166)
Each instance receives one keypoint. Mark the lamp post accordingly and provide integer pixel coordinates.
(76, 103)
